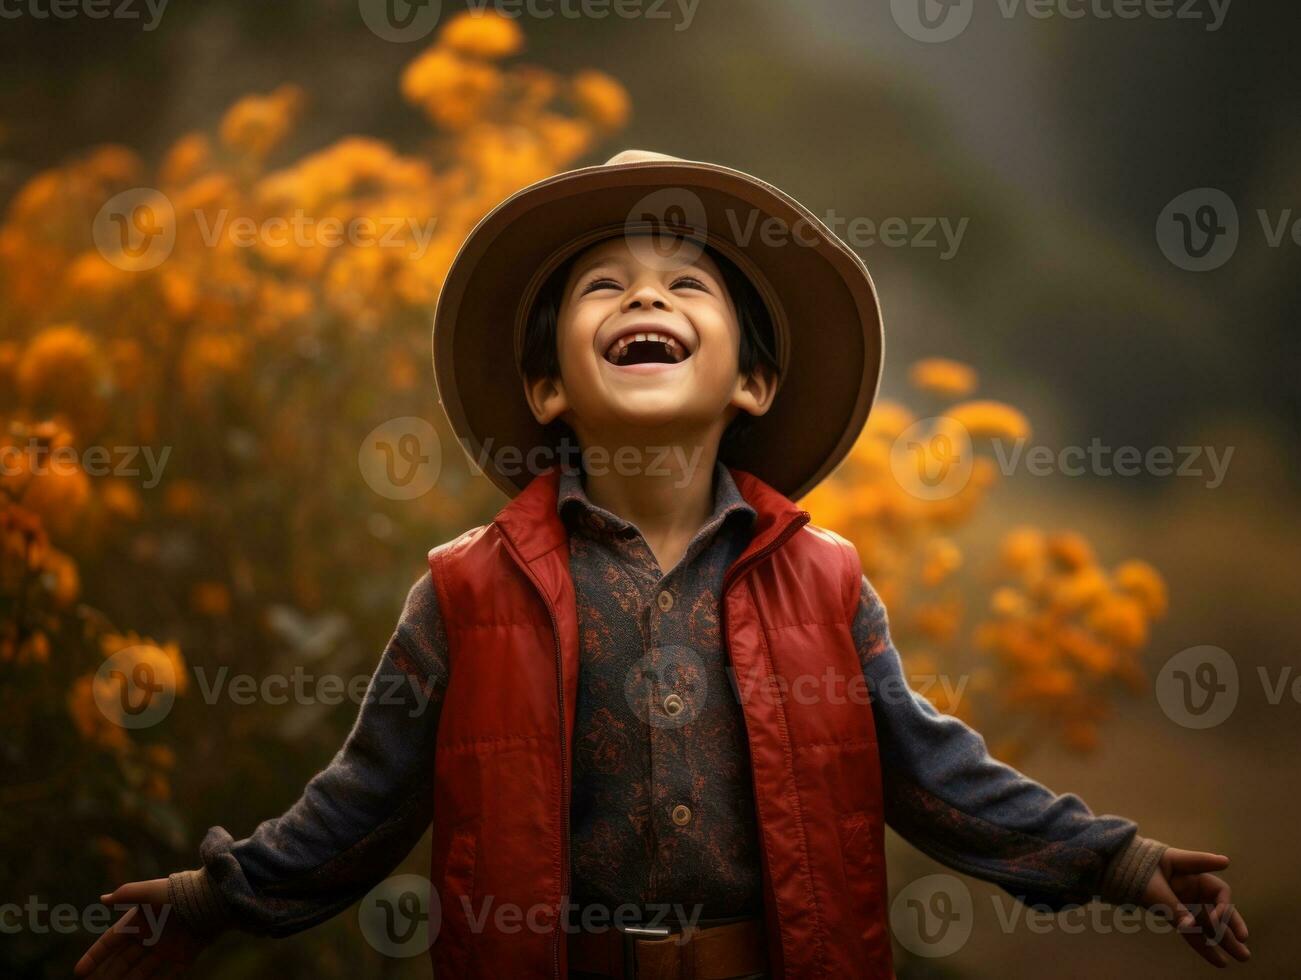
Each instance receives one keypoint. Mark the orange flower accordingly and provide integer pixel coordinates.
(941, 376)
(1120, 620)
(940, 559)
(601, 99)
(451, 89)
(61, 370)
(488, 35)
(256, 124)
(188, 157)
(1144, 583)
(1076, 591)
(990, 418)
(1022, 548)
(59, 494)
(1070, 550)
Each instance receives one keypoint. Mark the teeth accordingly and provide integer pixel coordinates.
(620, 347)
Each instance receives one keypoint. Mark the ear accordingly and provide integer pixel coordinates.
(546, 398)
(754, 392)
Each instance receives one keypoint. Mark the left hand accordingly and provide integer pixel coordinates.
(1197, 901)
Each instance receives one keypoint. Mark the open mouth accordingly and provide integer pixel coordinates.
(646, 347)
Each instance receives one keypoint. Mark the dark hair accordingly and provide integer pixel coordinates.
(539, 357)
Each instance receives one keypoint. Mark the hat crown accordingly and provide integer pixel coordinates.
(641, 156)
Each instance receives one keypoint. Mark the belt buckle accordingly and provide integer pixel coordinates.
(630, 936)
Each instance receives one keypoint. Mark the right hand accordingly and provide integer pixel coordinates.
(139, 946)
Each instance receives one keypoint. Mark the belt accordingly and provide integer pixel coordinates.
(631, 952)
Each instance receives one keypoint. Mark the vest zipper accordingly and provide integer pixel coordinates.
(737, 570)
(729, 579)
(564, 751)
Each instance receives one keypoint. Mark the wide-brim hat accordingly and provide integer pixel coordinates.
(824, 309)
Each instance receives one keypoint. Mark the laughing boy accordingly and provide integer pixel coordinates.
(637, 755)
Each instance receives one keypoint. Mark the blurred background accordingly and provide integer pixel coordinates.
(1070, 276)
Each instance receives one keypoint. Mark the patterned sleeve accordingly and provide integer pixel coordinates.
(948, 797)
(355, 821)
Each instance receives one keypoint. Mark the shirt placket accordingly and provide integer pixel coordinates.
(672, 671)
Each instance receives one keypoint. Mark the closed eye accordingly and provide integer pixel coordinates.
(691, 282)
(596, 284)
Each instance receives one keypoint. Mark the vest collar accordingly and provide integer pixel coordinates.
(534, 527)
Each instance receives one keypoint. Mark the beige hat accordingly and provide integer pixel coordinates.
(824, 308)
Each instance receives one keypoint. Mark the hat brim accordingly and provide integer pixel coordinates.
(823, 303)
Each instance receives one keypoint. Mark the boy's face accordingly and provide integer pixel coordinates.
(642, 346)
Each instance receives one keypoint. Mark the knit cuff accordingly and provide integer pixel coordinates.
(198, 902)
(1126, 877)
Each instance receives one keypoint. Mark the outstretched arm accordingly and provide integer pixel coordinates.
(947, 796)
(353, 824)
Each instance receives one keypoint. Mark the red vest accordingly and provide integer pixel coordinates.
(502, 767)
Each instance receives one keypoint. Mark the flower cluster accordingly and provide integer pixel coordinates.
(1046, 635)
(247, 359)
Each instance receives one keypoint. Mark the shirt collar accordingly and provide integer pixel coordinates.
(573, 505)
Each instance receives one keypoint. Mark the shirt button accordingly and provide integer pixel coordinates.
(673, 704)
(681, 815)
(665, 600)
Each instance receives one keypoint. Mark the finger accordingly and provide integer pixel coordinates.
(1234, 946)
(1221, 907)
(113, 945)
(1222, 931)
(133, 892)
(1195, 862)
(1204, 942)
(100, 952)
(1238, 925)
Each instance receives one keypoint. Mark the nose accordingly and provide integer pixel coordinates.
(646, 295)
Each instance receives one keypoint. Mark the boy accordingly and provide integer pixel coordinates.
(642, 673)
